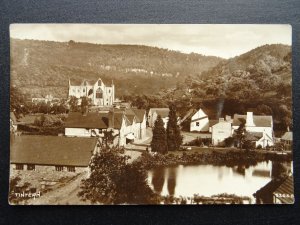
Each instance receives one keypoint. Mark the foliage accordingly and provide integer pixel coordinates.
(73, 102)
(114, 181)
(48, 121)
(239, 134)
(85, 103)
(14, 187)
(229, 142)
(159, 139)
(174, 138)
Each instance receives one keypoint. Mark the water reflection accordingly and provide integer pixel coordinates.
(209, 180)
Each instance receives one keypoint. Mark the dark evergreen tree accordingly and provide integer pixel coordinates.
(174, 138)
(159, 139)
(240, 133)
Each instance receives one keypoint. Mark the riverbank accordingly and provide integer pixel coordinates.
(215, 157)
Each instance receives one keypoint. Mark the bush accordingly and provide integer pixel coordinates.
(229, 142)
(259, 147)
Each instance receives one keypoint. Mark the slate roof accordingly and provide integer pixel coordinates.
(75, 82)
(163, 112)
(115, 119)
(92, 120)
(139, 114)
(288, 136)
(286, 188)
(253, 136)
(283, 186)
(52, 150)
(213, 122)
(259, 121)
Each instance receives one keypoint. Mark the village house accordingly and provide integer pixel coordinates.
(86, 124)
(126, 125)
(220, 131)
(259, 126)
(51, 154)
(154, 112)
(99, 93)
(199, 122)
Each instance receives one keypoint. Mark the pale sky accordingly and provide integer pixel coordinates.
(219, 40)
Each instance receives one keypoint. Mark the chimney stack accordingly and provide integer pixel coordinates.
(249, 119)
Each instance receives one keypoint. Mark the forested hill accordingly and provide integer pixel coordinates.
(44, 67)
(263, 71)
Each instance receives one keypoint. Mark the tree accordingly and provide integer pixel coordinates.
(240, 133)
(73, 102)
(114, 181)
(85, 102)
(174, 138)
(159, 139)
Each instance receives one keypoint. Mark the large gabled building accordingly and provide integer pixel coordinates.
(99, 93)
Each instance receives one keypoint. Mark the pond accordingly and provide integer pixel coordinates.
(207, 180)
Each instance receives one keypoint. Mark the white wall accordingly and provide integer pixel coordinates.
(201, 119)
(220, 132)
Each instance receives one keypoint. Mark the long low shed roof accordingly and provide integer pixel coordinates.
(52, 150)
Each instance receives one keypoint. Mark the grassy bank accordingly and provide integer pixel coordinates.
(213, 157)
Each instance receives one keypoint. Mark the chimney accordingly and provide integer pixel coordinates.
(249, 119)
(228, 118)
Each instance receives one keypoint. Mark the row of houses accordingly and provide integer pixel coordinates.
(127, 124)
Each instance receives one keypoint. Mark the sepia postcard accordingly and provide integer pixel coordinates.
(104, 114)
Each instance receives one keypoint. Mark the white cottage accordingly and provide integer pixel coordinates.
(199, 122)
(220, 131)
(259, 126)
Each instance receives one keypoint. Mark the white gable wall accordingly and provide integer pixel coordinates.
(199, 122)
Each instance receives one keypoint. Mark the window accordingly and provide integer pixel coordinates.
(19, 166)
(99, 93)
(83, 90)
(197, 124)
(99, 82)
(59, 168)
(71, 168)
(108, 91)
(30, 167)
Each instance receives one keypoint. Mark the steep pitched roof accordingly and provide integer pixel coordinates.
(163, 112)
(282, 186)
(253, 136)
(116, 119)
(286, 188)
(52, 150)
(157, 110)
(75, 82)
(91, 120)
(139, 114)
(212, 122)
(188, 115)
(288, 136)
(259, 121)
(130, 118)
